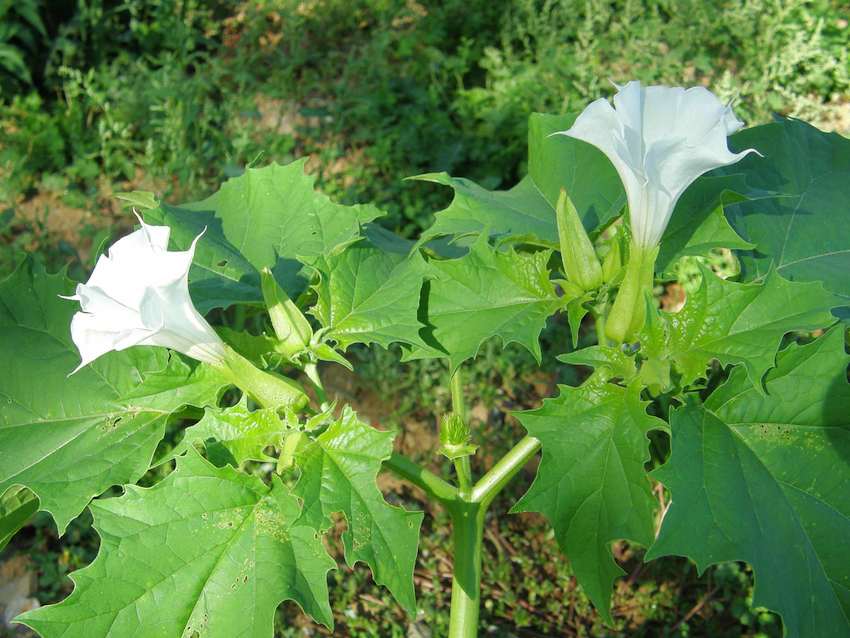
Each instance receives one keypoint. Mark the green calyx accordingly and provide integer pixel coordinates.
(455, 437)
(581, 265)
(268, 389)
(612, 264)
(289, 323)
(628, 313)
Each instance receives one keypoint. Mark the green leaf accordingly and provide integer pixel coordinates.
(17, 505)
(219, 276)
(206, 552)
(70, 438)
(558, 161)
(244, 434)
(366, 295)
(766, 479)
(338, 472)
(273, 215)
(265, 218)
(527, 211)
(737, 323)
(488, 293)
(607, 361)
(140, 199)
(591, 482)
(521, 212)
(699, 224)
(797, 208)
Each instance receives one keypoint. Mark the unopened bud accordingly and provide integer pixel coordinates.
(289, 323)
(581, 265)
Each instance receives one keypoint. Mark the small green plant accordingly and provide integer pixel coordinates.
(741, 424)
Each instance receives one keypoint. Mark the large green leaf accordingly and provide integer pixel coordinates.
(339, 469)
(245, 434)
(798, 212)
(70, 438)
(766, 479)
(207, 552)
(558, 161)
(527, 211)
(220, 276)
(699, 224)
(591, 482)
(487, 293)
(737, 324)
(521, 212)
(366, 295)
(268, 216)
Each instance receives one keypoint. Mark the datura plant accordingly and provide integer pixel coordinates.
(199, 343)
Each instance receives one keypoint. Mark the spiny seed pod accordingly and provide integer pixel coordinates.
(454, 437)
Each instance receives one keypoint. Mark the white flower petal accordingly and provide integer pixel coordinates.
(659, 139)
(138, 294)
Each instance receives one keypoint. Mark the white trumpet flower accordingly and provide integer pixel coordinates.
(138, 294)
(660, 139)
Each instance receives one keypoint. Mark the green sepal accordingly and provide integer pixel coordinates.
(628, 313)
(268, 389)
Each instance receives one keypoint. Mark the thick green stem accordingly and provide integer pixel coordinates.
(601, 339)
(467, 533)
(489, 486)
(467, 536)
(462, 465)
(458, 406)
(427, 481)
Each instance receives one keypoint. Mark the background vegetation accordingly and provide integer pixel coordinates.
(175, 96)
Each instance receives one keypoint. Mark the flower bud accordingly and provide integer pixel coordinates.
(454, 437)
(289, 323)
(581, 265)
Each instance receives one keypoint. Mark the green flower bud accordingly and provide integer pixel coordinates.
(290, 324)
(268, 389)
(628, 313)
(454, 437)
(581, 265)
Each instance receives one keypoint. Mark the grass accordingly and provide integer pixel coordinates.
(175, 96)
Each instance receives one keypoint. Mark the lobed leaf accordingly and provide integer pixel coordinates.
(70, 438)
(736, 323)
(796, 212)
(267, 217)
(338, 473)
(527, 211)
(591, 483)
(244, 434)
(206, 552)
(487, 293)
(366, 295)
(766, 480)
